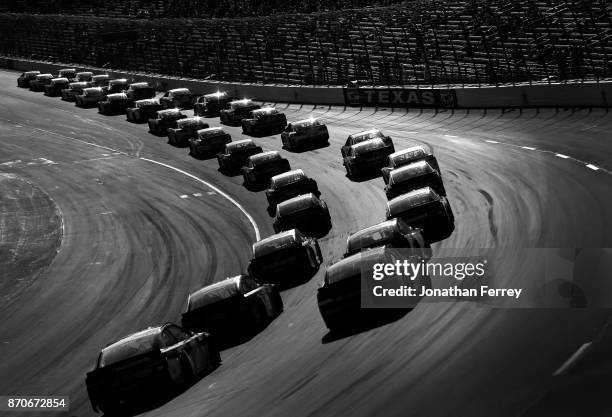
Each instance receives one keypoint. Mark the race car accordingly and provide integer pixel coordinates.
(143, 110)
(340, 297)
(236, 111)
(356, 138)
(177, 97)
(211, 104)
(90, 97)
(306, 212)
(164, 120)
(55, 88)
(231, 308)
(146, 364)
(140, 91)
(208, 142)
(412, 177)
(25, 78)
(366, 157)
(426, 210)
(73, 90)
(305, 134)
(285, 259)
(185, 129)
(100, 80)
(395, 233)
(261, 167)
(40, 81)
(236, 154)
(288, 185)
(114, 104)
(267, 119)
(117, 85)
(84, 76)
(408, 156)
(69, 73)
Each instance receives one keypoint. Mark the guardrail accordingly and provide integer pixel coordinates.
(578, 95)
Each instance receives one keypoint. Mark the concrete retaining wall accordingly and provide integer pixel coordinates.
(588, 94)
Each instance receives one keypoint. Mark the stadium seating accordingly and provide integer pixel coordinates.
(423, 41)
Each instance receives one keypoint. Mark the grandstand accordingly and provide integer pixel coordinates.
(415, 42)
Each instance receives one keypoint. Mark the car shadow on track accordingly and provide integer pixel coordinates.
(367, 176)
(378, 318)
(304, 149)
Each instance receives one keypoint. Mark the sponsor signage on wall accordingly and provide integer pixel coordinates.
(399, 97)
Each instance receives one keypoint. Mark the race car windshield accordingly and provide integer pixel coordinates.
(136, 344)
(274, 245)
(411, 200)
(278, 259)
(368, 146)
(210, 133)
(239, 104)
(166, 114)
(146, 103)
(190, 122)
(287, 178)
(244, 144)
(362, 137)
(263, 158)
(136, 86)
(297, 204)
(408, 155)
(303, 124)
(372, 236)
(410, 171)
(216, 292)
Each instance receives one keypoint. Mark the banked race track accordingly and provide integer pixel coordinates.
(131, 234)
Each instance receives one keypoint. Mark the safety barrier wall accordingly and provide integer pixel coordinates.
(579, 94)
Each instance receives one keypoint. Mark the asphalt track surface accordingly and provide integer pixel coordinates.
(138, 237)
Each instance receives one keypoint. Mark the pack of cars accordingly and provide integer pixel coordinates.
(40, 81)
(418, 214)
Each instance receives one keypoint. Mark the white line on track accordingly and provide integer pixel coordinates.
(217, 190)
(529, 148)
(209, 185)
(560, 155)
(593, 167)
(183, 196)
(491, 141)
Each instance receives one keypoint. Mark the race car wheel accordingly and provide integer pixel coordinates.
(277, 300)
(110, 409)
(318, 253)
(213, 355)
(258, 319)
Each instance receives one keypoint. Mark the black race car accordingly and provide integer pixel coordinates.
(40, 81)
(306, 212)
(186, 129)
(177, 97)
(114, 104)
(140, 91)
(25, 78)
(208, 142)
(90, 97)
(426, 210)
(232, 308)
(308, 133)
(164, 120)
(408, 156)
(69, 73)
(73, 90)
(412, 177)
(143, 110)
(356, 138)
(288, 185)
(395, 233)
(55, 88)
(366, 157)
(117, 85)
(340, 297)
(261, 167)
(84, 76)
(99, 80)
(236, 111)
(211, 104)
(235, 155)
(265, 120)
(147, 364)
(285, 259)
